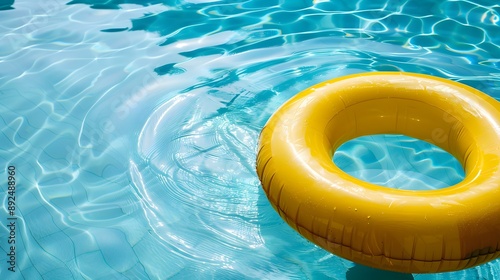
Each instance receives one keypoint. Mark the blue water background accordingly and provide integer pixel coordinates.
(133, 125)
(400, 162)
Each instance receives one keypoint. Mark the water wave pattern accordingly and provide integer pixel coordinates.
(133, 125)
(399, 161)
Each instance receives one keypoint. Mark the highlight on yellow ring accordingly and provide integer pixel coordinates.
(399, 230)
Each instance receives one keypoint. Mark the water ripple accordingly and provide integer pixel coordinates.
(399, 162)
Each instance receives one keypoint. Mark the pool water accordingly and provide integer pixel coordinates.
(400, 162)
(132, 127)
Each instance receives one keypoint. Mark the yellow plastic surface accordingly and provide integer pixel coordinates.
(399, 230)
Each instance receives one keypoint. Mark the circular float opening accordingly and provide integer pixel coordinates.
(398, 161)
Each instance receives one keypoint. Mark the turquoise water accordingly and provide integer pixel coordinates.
(400, 162)
(132, 126)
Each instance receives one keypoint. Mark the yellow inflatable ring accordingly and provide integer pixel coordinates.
(400, 230)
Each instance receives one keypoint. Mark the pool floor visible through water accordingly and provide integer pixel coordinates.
(399, 161)
(133, 126)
